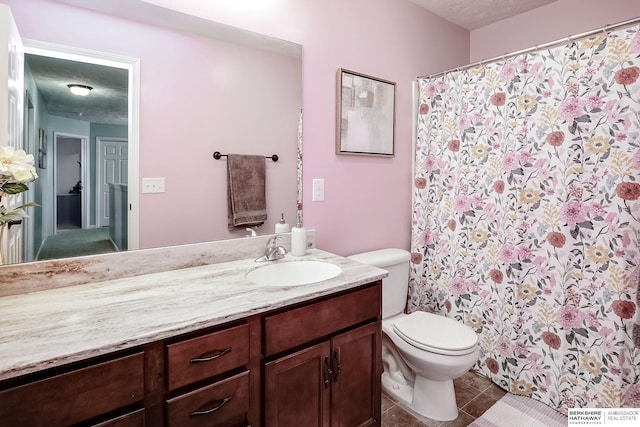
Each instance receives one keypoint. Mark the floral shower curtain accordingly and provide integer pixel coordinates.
(526, 218)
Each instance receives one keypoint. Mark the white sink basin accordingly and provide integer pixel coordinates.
(293, 273)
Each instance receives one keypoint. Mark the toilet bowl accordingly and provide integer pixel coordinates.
(422, 353)
(435, 366)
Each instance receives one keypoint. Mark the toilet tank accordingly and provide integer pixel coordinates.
(396, 285)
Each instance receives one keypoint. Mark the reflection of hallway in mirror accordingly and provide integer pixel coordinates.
(70, 125)
(68, 182)
(72, 243)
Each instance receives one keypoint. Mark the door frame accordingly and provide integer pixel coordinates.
(85, 173)
(132, 65)
(30, 146)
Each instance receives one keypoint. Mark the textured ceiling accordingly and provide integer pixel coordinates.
(107, 103)
(472, 14)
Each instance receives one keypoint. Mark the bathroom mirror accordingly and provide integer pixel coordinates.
(284, 177)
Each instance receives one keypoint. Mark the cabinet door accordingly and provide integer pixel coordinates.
(357, 367)
(297, 389)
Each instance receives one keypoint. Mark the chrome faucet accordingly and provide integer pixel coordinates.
(273, 251)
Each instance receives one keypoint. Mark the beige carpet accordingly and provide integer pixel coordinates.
(513, 410)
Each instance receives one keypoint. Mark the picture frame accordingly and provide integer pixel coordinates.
(365, 115)
(42, 149)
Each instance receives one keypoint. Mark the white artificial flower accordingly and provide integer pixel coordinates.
(17, 165)
(16, 168)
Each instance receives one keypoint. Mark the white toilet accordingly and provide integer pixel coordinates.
(422, 353)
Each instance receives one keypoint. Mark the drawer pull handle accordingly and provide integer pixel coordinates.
(208, 357)
(337, 369)
(218, 404)
(328, 373)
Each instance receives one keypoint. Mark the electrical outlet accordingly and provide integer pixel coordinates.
(318, 190)
(153, 185)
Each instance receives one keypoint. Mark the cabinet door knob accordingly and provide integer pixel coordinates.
(217, 404)
(208, 356)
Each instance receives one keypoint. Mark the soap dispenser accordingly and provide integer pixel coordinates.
(282, 226)
(298, 240)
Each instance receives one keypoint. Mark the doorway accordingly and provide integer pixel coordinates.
(71, 173)
(132, 66)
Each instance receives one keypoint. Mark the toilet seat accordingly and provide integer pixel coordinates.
(434, 333)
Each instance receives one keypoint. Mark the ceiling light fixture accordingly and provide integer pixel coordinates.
(80, 90)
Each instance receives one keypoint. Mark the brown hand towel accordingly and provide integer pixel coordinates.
(246, 190)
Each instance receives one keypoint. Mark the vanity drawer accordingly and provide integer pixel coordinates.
(75, 396)
(310, 322)
(203, 357)
(134, 419)
(220, 404)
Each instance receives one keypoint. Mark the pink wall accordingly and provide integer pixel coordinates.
(549, 23)
(367, 200)
(197, 96)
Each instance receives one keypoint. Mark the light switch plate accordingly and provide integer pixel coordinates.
(153, 185)
(318, 190)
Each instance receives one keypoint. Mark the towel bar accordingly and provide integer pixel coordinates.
(217, 156)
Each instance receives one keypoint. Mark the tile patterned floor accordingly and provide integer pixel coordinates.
(474, 395)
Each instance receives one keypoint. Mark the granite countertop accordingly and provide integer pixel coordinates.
(49, 328)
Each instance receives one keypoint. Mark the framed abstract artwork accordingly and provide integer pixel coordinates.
(365, 115)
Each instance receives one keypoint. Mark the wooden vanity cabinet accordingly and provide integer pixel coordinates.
(316, 363)
(326, 364)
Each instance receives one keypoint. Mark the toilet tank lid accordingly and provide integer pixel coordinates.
(382, 257)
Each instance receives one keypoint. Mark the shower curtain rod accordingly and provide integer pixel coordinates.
(606, 29)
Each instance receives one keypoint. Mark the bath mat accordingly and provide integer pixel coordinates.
(525, 412)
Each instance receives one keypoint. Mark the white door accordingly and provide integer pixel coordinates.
(11, 110)
(112, 169)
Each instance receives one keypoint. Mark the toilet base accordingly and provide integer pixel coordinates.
(401, 392)
(429, 398)
(435, 399)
